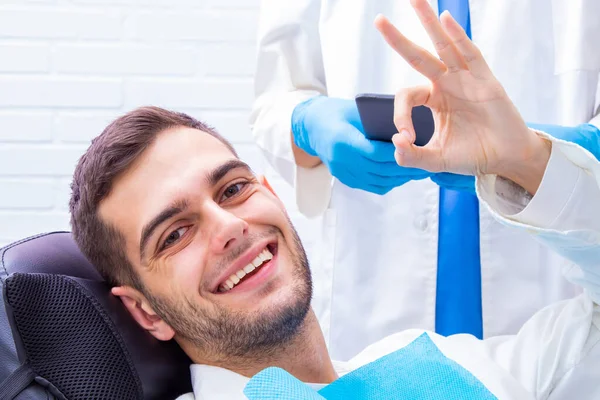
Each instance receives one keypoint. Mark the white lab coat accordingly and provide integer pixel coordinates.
(375, 266)
(556, 354)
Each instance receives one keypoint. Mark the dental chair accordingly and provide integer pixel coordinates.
(64, 336)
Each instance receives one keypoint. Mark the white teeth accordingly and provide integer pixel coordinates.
(234, 279)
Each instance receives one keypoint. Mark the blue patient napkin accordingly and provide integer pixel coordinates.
(418, 371)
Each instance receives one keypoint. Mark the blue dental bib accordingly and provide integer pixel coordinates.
(418, 371)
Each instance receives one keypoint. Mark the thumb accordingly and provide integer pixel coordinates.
(404, 102)
(408, 154)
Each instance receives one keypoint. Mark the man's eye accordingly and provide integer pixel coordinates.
(233, 190)
(174, 236)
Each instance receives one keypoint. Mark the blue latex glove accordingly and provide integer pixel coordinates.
(330, 128)
(585, 135)
(447, 180)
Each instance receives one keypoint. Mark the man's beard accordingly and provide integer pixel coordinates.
(222, 334)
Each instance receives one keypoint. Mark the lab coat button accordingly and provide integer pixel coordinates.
(421, 224)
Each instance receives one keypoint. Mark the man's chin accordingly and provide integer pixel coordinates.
(266, 303)
(279, 322)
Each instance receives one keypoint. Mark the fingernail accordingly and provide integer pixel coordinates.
(406, 134)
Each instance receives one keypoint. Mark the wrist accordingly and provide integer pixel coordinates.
(299, 128)
(528, 168)
(302, 158)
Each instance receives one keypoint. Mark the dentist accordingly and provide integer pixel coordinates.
(417, 244)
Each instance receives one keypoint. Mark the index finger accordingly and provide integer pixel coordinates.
(442, 42)
(419, 58)
(374, 150)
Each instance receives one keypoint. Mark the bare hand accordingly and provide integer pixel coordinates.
(478, 129)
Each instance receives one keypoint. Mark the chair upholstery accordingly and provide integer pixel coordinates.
(59, 320)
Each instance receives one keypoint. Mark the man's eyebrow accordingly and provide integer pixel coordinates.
(175, 208)
(218, 173)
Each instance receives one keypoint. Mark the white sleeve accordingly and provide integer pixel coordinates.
(289, 70)
(556, 350)
(596, 118)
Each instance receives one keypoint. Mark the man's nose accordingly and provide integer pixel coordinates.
(228, 229)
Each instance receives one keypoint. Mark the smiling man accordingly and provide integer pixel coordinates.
(195, 244)
(201, 251)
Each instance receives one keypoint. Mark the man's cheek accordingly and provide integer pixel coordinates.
(274, 208)
(268, 210)
(183, 272)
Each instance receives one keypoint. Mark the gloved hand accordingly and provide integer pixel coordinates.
(447, 180)
(330, 128)
(585, 135)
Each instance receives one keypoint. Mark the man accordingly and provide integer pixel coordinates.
(314, 57)
(201, 251)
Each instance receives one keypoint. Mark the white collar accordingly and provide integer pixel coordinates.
(217, 383)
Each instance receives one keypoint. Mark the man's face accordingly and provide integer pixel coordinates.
(214, 249)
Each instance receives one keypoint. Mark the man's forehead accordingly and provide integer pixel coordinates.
(173, 152)
(178, 142)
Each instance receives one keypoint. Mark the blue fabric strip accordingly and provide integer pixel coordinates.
(418, 371)
(458, 291)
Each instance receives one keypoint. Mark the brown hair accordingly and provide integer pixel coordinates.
(110, 155)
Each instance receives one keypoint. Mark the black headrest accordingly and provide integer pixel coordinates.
(64, 331)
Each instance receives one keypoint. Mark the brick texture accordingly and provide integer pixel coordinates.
(68, 67)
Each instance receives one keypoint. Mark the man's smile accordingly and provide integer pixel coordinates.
(250, 270)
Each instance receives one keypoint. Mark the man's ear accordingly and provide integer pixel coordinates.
(263, 180)
(139, 307)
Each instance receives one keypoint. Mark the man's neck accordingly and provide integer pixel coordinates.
(305, 357)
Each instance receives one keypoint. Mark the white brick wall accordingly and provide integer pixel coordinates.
(68, 67)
